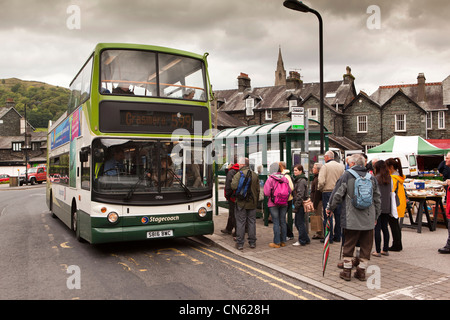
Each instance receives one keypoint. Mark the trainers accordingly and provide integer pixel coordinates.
(296, 244)
(239, 246)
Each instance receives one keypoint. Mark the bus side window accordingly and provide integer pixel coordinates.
(85, 159)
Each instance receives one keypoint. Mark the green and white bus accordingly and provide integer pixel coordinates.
(131, 159)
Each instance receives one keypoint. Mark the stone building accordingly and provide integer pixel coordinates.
(15, 145)
(357, 121)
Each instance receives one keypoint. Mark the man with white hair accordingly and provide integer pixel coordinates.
(328, 176)
(357, 223)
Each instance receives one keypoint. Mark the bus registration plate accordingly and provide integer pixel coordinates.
(159, 234)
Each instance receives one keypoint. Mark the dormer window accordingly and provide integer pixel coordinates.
(292, 103)
(249, 106)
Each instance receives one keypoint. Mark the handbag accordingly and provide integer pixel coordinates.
(308, 206)
(395, 201)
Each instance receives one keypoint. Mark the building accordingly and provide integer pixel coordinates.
(256, 106)
(16, 147)
(357, 121)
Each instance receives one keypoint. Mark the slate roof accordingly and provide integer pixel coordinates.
(276, 97)
(433, 95)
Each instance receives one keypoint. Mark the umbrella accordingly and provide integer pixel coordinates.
(326, 246)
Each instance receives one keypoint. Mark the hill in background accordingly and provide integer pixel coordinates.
(44, 101)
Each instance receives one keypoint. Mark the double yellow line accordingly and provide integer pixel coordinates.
(273, 280)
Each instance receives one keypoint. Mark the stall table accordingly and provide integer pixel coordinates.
(423, 208)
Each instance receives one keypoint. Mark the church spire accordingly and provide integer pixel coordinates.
(280, 73)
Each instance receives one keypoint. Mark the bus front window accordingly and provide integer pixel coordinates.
(135, 72)
(148, 166)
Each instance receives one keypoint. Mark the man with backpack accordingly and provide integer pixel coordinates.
(246, 184)
(361, 206)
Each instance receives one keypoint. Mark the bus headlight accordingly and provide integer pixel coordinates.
(202, 212)
(113, 217)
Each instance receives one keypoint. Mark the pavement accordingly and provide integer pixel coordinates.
(418, 272)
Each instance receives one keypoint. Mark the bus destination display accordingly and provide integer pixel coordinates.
(156, 119)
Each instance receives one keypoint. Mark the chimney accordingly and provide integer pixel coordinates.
(421, 87)
(293, 82)
(243, 82)
(10, 103)
(348, 77)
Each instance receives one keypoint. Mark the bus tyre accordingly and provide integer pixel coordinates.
(75, 226)
(51, 206)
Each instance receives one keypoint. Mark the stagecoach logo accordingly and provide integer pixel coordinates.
(146, 220)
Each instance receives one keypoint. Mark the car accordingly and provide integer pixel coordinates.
(35, 175)
(4, 178)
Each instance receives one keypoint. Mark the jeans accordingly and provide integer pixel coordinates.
(245, 216)
(279, 223)
(303, 237)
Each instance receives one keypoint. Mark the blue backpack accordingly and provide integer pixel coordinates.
(363, 191)
(242, 192)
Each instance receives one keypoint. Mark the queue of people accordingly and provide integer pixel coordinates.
(333, 196)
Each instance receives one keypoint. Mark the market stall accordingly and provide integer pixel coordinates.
(426, 198)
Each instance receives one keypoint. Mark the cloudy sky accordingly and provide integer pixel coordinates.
(383, 41)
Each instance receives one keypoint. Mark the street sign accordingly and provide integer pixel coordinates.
(298, 118)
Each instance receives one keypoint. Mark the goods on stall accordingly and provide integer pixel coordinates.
(424, 188)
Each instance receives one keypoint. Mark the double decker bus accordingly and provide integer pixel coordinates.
(131, 157)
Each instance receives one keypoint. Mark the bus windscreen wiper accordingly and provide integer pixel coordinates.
(186, 189)
(133, 189)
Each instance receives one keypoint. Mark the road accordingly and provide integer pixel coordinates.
(41, 259)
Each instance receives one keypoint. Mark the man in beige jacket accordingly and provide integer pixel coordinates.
(328, 176)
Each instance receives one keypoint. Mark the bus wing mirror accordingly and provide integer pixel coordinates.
(99, 155)
(84, 154)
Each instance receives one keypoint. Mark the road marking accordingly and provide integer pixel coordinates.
(284, 282)
(415, 292)
(65, 246)
(125, 266)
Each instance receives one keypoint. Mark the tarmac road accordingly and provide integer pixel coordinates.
(41, 259)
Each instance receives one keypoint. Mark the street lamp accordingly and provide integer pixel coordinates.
(300, 6)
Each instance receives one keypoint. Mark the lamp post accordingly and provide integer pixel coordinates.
(300, 6)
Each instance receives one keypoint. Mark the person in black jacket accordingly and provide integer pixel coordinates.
(444, 168)
(300, 194)
(231, 198)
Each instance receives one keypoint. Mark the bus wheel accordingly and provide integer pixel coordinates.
(75, 225)
(51, 206)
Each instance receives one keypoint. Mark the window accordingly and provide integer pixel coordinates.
(441, 120)
(35, 146)
(400, 122)
(268, 114)
(147, 74)
(429, 120)
(292, 103)
(17, 146)
(249, 105)
(59, 169)
(149, 166)
(312, 114)
(361, 124)
(81, 87)
(86, 169)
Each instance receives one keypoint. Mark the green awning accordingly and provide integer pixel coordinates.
(408, 145)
